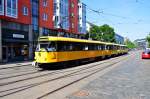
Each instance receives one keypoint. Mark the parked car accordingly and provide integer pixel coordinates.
(146, 54)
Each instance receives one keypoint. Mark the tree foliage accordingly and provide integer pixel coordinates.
(130, 44)
(148, 39)
(103, 33)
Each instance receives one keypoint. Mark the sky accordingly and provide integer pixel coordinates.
(129, 18)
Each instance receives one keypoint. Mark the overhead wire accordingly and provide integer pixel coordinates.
(99, 12)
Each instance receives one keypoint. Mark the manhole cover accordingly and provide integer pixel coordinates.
(81, 93)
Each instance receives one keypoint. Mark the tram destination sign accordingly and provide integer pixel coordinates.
(18, 36)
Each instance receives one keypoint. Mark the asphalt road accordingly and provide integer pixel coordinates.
(130, 80)
(124, 77)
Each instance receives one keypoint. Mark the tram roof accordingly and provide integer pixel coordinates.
(51, 38)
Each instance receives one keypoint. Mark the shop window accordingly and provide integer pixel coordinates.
(25, 28)
(12, 8)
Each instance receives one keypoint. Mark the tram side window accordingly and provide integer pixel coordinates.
(107, 47)
(115, 47)
(103, 47)
(61, 46)
(64, 46)
(124, 48)
(95, 46)
(85, 47)
(81, 46)
(77, 47)
(121, 47)
(71, 46)
(52, 46)
(99, 47)
(90, 46)
(118, 47)
(112, 47)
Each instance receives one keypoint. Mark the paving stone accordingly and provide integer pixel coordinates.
(128, 81)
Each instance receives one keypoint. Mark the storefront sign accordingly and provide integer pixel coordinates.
(18, 36)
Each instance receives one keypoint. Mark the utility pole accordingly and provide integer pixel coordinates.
(89, 36)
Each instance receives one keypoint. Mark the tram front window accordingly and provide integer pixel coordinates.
(50, 46)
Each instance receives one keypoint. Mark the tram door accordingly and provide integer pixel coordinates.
(5, 53)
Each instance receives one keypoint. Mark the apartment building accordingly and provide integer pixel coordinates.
(23, 21)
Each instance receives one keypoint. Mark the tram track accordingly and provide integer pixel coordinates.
(75, 81)
(15, 73)
(46, 74)
(2, 78)
(17, 69)
(19, 73)
(17, 65)
(78, 72)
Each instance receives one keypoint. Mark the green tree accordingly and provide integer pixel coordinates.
(148, 39)
(95, 33)
(107, 33)
(103, 33)
(130, 44)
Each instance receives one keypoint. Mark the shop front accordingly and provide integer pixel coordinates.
(15, 45)
(15, 51)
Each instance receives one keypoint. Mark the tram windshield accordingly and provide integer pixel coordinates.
(46, 46)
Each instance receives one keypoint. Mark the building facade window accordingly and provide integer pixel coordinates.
(72, 5)
(35, 23)
(61, 13)
(55, 8)
(25, 11)
(12, 8)
(72, 14)
(35, 8)
(44, 3)
(72, 25)
(15, 26)
(1, 7)
(82, 18)
(35, 16)
(45, 17)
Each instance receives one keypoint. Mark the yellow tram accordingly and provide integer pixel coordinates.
(61, 49)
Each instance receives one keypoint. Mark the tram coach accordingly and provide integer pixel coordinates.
(52, 50)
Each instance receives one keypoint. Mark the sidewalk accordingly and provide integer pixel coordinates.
(13, 64)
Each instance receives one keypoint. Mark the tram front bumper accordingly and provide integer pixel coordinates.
(45, 57)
